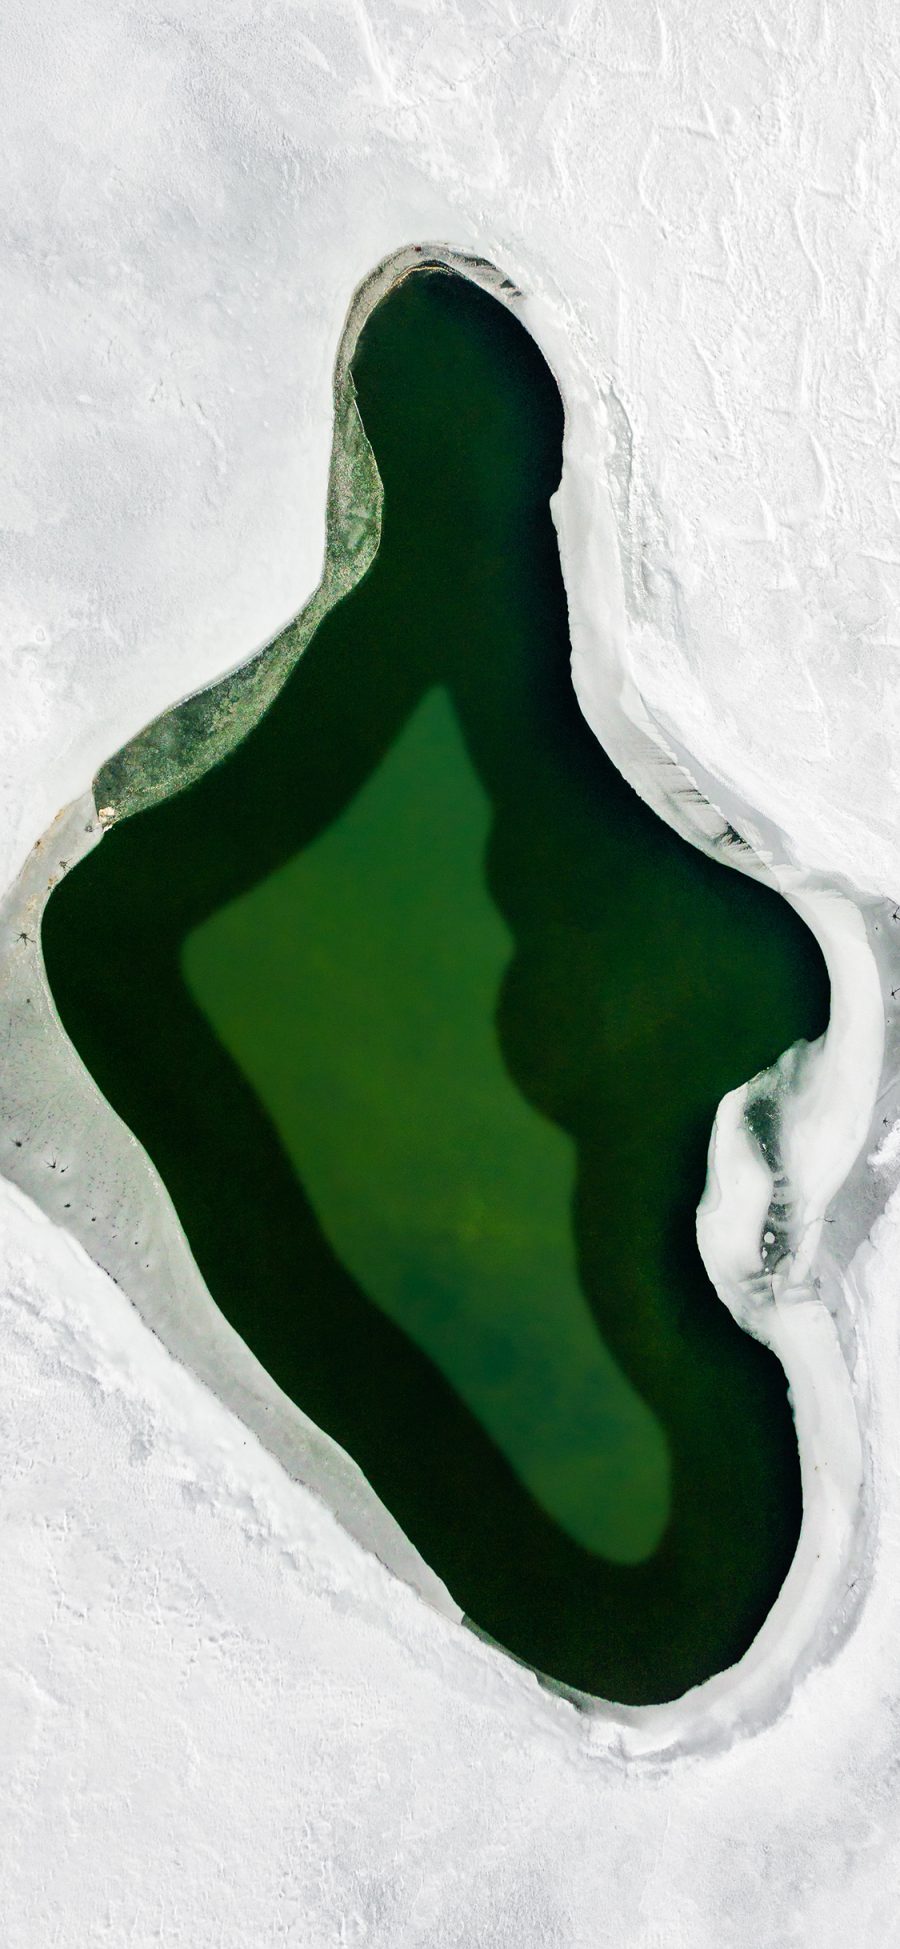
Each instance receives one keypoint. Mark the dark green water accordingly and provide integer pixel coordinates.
(424, 1018)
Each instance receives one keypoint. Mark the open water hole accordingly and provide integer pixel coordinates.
(424, 1017)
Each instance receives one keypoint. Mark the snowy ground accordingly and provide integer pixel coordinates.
(223, 1722)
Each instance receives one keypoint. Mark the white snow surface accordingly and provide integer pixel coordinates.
(222, 1721)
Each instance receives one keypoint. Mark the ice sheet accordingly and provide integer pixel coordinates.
(228, 1724)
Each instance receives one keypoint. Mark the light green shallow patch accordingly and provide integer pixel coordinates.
(356, 989)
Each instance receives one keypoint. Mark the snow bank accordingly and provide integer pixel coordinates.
(700, 212)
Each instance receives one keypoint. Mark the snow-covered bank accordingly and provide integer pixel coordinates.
(703, 211)
(224, 1722)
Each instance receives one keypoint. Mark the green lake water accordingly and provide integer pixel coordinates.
(424, 1018)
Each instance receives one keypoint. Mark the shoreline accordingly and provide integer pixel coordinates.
(794, 1319)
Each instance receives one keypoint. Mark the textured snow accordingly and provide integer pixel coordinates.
(223, 1722)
